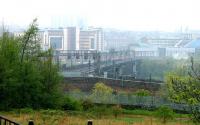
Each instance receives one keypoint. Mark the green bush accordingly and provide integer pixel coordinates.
(142, 92)
(101, 92)
(87, 104)
(71, 104)
(164, 113)
(195, 115)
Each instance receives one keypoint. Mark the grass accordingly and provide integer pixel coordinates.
(57, 117)
(129, 120)
(138, 112)
(150, 113)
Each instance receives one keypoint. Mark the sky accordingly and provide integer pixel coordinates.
(165, 15)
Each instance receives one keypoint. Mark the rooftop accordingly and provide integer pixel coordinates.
(193, 44)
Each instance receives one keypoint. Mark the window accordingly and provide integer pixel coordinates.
(56, 42)
(92, 43)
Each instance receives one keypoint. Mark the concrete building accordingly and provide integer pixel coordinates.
(73, 38)
(179, 52)
(91, 39)
(145, 52)
(163, 42)
(178, 41)
(87, 40)
(118, 41)
(99, 38)
(70, 38)
(60, 39)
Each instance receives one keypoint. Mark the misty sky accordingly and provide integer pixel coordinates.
(120, 14)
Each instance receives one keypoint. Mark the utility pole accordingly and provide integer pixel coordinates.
(134, 69)
(71, 59)
(98, 63)
(122, 81)
(89, 64)
(114, 71)
(150, 78)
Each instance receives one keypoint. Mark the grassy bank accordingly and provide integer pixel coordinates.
(57, 117)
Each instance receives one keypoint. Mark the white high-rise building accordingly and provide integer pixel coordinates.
(71, 38)
(60, 39)
(91, 39)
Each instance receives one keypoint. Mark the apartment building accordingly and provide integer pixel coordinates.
(91, 39)
(60, 39)
(70, 38)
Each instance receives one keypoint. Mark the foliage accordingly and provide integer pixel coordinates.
(163, 92)
(183, 89)
(195, 114)
(87, 104)
(28, 77)
(71, 104)
(116, 110)
(186, 89)
(164, 113)
(101, 110)
(138, 112)
(101, 92)
(9, 53)
(156, 69)
(142, 92)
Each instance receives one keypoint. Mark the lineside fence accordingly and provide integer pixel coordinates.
(131, 100)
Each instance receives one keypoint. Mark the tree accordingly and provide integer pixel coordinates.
(28, 76)
(50, 79)
(186, 89)
(39, 72)
(101, 92)
(9, 53)
(164, 113)
(30, 46)
(141, 94)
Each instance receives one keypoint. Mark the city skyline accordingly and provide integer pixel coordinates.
(145, 15)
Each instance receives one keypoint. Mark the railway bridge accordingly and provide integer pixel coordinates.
(90, 63)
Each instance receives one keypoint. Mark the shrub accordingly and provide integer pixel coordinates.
(142, 92)
(164, 113)
(101, 92)
(87, 104)
(195, 114)
(71, 104)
